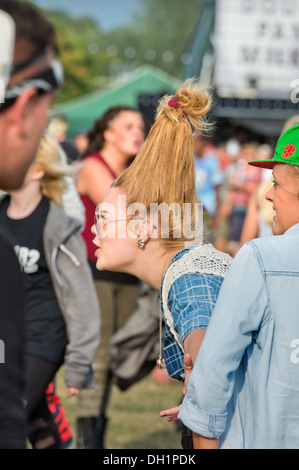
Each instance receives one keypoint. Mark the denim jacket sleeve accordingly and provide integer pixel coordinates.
(239, 311)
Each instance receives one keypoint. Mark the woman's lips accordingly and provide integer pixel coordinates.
(97, 251)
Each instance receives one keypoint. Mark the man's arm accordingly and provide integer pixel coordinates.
(239, 310)
(201, 442)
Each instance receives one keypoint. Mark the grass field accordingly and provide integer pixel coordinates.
(133, 415)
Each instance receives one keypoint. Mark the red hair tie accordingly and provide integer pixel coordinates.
(173, 103)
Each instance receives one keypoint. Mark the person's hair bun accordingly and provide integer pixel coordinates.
(194, 102)
(193, 98)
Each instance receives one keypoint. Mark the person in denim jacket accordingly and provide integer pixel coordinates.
(243, 391)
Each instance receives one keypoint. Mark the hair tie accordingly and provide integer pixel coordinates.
(173, 103)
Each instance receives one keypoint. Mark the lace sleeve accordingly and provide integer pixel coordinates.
(203, 259)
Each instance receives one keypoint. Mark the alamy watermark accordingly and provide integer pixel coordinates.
(295, 353)
(295, 92)
(176, 221)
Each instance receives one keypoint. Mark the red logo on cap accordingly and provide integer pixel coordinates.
(288, 151)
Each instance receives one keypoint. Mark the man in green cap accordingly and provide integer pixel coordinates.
(243, 391)
(285, 166)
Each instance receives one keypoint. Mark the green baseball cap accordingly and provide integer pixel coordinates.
(286, 151)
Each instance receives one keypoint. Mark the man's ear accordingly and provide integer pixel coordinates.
(37, 174)
(21, 108)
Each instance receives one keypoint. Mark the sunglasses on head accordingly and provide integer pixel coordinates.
(45, 82)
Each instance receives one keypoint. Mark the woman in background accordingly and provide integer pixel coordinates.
(115, 139)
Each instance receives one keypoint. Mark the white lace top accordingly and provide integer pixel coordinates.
(203, 259)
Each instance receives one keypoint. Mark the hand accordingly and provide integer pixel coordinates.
(72, 391)
(172, 413)
(188, 369)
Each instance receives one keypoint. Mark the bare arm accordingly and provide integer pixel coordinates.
(94, 180)
(192, 343)
(201, 442)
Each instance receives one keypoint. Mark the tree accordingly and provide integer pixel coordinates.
(81, 56)
(159, 34)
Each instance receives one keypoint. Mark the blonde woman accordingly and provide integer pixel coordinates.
(148, 226)
(62, 312)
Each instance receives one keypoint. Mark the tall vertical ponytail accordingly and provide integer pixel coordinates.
(163, 171)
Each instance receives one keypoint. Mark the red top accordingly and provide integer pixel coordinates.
(89, 212)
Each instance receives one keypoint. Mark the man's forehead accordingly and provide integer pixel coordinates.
(277, 169)
(281, 171)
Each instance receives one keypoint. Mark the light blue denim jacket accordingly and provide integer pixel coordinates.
(244, 388)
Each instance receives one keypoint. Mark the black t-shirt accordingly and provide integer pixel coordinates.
(45, 326)
(13, 427)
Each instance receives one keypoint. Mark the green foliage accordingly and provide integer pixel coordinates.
(77, 37)
(159, 34)
(167, 27)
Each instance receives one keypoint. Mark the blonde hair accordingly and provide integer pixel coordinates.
(290, 123)
(49, 159)
(264, 207)
(251, 148)
(163, 171)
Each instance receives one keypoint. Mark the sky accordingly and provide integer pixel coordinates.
(108, 13)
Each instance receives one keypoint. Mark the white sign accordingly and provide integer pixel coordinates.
(256, 48)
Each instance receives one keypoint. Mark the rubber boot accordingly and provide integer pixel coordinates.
(44, 435)
(101, 429)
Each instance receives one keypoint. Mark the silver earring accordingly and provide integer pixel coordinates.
(140, 243)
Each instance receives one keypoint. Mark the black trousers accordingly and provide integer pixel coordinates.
(43, 433)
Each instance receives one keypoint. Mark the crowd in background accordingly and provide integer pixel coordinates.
(225, 184)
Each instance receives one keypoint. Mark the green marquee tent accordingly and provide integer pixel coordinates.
(145, 80)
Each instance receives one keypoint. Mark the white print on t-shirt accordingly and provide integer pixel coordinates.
(2, 352)
(295, 353)
(27, 258)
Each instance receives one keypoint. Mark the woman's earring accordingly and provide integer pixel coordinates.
(140, 243)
